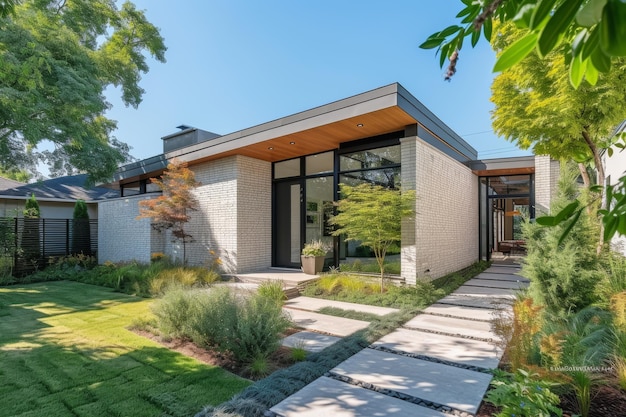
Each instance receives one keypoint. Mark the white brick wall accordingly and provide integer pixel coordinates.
(234, 220)
(546, 183)
(254, 214)
(446, 219)
(214, 225)
(121, 237)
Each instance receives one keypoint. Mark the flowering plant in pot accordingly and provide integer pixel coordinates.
(312, 257)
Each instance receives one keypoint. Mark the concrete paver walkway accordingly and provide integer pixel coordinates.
(316, 304)
(322, 323)
(435, 365)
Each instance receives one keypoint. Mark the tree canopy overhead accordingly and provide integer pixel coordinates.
(589, 33)
(536, 107)
(56, 59)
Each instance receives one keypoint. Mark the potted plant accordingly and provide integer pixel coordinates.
(313, 256)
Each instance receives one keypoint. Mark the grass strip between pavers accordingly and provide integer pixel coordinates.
(65, 351)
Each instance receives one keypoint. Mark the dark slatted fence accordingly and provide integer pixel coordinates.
(31, 242)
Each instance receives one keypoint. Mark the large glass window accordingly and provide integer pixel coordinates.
(319, 209)
(305, 189)
(369, 159)
(320, 164)
(286, 169)
(389, 178)
(379, 166)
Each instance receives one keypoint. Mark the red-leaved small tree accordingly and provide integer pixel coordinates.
(170, 211)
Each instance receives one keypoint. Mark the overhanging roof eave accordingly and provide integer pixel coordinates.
(374, 100)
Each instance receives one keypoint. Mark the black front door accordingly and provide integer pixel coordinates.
(287, 234)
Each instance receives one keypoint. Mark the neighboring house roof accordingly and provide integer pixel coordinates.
(69, 188)
(6, 183)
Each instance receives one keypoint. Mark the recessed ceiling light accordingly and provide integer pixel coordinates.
(271, 148)
(359, 125)
(292, 143)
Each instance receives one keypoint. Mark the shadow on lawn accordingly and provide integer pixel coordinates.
(24, 308)
(66, 295)
(149, 381)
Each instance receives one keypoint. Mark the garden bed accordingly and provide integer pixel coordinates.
(605, 401)
(280, 359)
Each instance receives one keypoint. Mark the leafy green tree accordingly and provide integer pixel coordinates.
(591, 37)
(563, 271)
(7, 7)
(588, 33)
(536, 107)
(373, 215)
(31, 208)
(81, 231)
(170, 211)
(57, 57)
(17, 175)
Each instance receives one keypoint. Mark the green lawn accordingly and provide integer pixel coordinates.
(65, 351)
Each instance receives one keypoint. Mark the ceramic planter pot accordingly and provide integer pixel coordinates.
(311, 265)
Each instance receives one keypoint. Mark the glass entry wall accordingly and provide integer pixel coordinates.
(303, 202)
(505, 203)
(306, 187)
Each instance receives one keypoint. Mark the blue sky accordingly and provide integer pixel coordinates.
(235, 64)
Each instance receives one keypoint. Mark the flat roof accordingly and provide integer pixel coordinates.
(383, 110)
(376, 112)
(519, 165)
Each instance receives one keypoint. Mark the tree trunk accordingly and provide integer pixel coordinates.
(584, 175)
(597, 160)
(600, 179)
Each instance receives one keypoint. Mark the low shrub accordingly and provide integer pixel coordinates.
(246, 325)
(258, 398)
(181, 276)
(144, 280)
(259, 324)
(274, 290)
(523, 394)
(172, 312)
(213, 317)
(613, 281)
(366, 290)
(259, 366)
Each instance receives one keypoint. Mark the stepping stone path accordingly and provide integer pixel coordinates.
(436, 365)
(304, 313)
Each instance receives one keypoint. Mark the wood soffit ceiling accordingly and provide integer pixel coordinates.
(323, 138)
(504, 171)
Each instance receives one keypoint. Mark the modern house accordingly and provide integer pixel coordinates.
(268, 189)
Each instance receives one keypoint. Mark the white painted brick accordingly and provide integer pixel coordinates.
(446, 219)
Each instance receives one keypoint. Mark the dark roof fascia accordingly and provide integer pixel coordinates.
(437, 133)
(367, 102)
(503, 163)
(143, 167)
